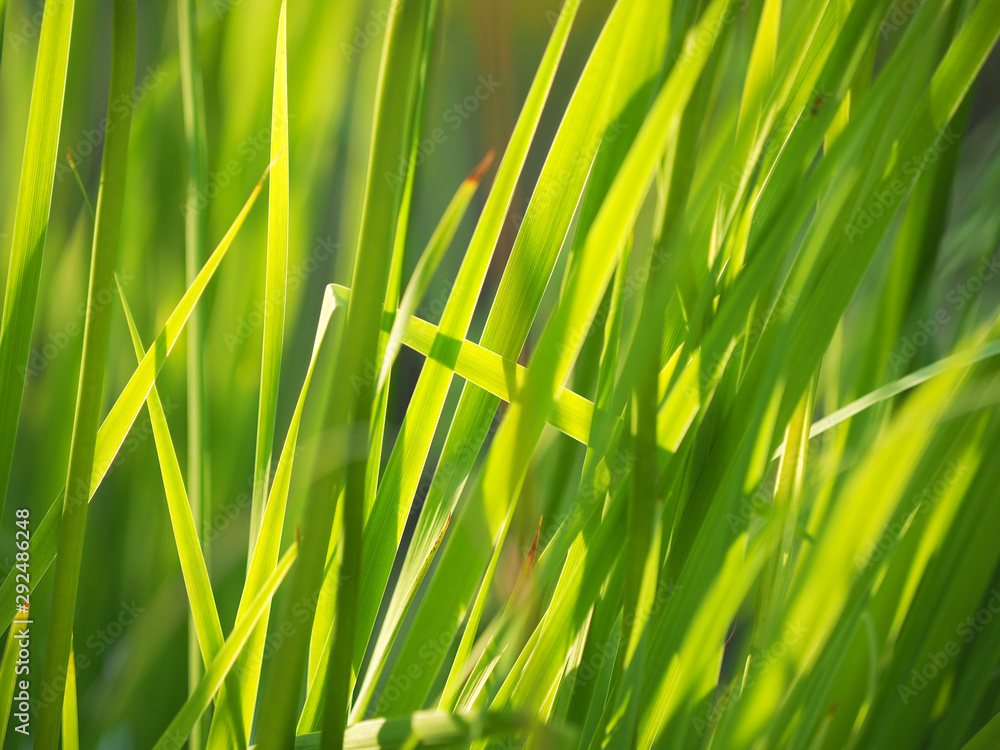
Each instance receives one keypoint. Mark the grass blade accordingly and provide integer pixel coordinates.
(193, 567)
(97, 326)
(195, 248)
(275, 281)
(34, 196)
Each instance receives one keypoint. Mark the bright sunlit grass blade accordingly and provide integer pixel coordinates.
(201, 600)
(195, 249)
(34, 196)
(70, 715)
(426, 729)
(274, 284)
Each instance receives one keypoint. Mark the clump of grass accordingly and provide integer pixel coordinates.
(702, 460)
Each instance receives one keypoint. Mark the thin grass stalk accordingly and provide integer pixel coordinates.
(97, 325)
(195, 233)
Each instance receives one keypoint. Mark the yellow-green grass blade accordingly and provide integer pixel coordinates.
(201, 599)
(785, 510)
(116, 425)
(31, 220)
(478, 528)
(10, 685)
(633, 648)
(504, 378)
(86, 420)
(180, 728)
(598, 125)
(760, 70)
(274, 284)
(383, 529)
(70, 717)
(227, 726)
(351, 397)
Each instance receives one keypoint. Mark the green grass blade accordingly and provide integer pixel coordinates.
(274, 284)
(183, 723)
(425, 729)
(987, 737)
(958, 361)
(97, 327)
(31, 220)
